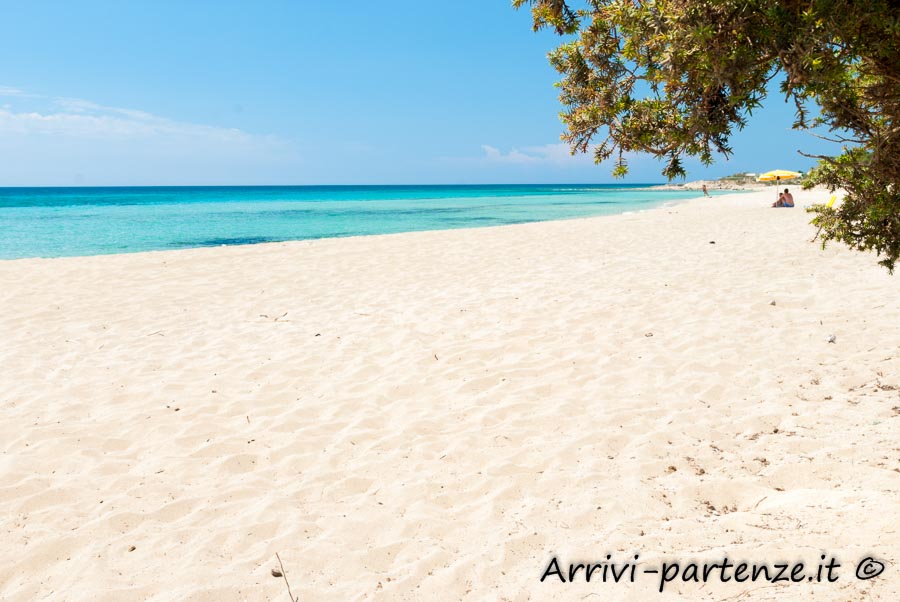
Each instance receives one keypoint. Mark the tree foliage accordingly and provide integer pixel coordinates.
(676, 78)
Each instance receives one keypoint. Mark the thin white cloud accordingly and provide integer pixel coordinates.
(79, 117)
(515, 156)
(86, 119)
(104, 125)
(41, 136)
(9, 91)
(548, 154)
(77, 105)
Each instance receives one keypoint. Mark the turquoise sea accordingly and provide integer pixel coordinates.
(58, 222)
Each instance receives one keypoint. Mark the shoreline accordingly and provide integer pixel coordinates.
(691, 188)
(657, 383)
(663, 206)
(715, 185)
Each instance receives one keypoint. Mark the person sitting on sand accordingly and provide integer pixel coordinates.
(780, 201)
(788, 198)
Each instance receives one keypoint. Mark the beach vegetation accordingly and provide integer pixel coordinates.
(676, 79)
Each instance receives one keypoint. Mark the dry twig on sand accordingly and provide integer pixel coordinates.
(284, 575)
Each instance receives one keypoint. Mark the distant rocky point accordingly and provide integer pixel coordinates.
(741, 181)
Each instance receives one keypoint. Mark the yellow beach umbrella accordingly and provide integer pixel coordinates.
(778, 175)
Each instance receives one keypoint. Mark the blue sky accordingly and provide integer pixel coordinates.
(302, 92)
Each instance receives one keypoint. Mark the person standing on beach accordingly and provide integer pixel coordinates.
(705, 193)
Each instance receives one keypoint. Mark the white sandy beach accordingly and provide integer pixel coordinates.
(434, 416)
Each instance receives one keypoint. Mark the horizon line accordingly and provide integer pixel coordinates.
(339, 185)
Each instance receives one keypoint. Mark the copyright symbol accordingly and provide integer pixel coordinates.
(869, 568)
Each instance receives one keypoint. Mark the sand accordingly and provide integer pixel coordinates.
(435, 416)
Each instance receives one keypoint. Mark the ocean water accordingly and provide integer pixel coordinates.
(58, 222)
